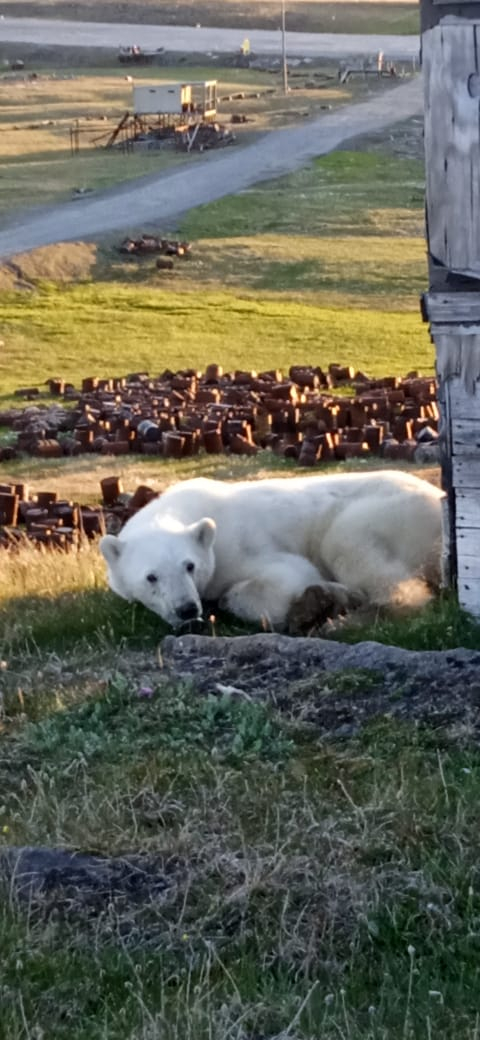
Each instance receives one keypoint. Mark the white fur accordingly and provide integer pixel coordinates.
(373, 537)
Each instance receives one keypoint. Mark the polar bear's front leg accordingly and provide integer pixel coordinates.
(268, 595)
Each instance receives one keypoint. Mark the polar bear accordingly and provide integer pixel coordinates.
(256, 546)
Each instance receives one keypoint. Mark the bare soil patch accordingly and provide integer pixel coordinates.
(61, 262)
(303, 677)
(402, 140)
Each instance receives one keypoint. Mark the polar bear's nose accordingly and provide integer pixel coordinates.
(188, 611)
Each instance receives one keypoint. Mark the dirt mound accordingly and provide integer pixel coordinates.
(61, 262)
(335, 687)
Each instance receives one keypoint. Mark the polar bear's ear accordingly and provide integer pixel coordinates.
(111, 548)
(204, 532)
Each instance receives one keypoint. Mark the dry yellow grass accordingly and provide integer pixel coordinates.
(36, 115)
(35, 159)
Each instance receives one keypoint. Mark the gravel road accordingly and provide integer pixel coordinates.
(163, 198)
(202, 40)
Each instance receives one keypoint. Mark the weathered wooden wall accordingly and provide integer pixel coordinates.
(451, 74)
(458, 369)
(465, 425)
(452, 144)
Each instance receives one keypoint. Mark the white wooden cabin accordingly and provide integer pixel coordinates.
(176, 99)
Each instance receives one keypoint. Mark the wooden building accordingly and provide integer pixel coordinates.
(451, 74)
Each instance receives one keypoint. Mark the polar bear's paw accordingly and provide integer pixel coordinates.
(316, 605)
(255, 600)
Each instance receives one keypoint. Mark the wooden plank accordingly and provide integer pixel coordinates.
(458, 356)
(466, 436)
(448, 559)
(449, 547)
(463, 405)
(468, 565)
(453, 307)
(469, 595)
(452, 146)
(448, 18)
(467, 507)
(466, 472)
(431, 14)
(454, 328)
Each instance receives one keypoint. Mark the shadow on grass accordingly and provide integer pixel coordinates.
(93, 619)
(99, 620)
(442, 625)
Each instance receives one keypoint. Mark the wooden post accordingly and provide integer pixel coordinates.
(451, 75)
(284, 52)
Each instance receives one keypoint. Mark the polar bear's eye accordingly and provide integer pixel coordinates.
(152, 578)
(190, 567)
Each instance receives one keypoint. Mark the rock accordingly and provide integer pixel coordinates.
(333, 685)
(426, 435)
(35, 871)
(428, 453)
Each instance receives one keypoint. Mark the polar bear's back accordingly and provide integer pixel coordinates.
(240, 502)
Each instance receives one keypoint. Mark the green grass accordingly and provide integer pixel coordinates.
(361, 271)
(439, 626)
(70, 332)
(56, 176)
(344, 193)
(259, 288)
(329, 886)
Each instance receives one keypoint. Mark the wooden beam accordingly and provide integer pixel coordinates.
(453, 307)
(468, 561)
(466, 473)
(462, 403)
(452, 146)
(432, 12)
(449, 548)
(466, 437)
(469, 595)
(468, 509)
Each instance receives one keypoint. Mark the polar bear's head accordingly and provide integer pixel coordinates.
(166, 567)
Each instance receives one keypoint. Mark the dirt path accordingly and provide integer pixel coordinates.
(161, 199)
(189, 39)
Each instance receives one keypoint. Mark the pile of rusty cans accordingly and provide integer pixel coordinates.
(309, 415)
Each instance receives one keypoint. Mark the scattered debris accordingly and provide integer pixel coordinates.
(137, 56)
(376, 66)
(203, 136)
(148, 244)
(240, 117)
(81, 193)
(44, 519)
(164, 263)
(181, 413)
(54, 523)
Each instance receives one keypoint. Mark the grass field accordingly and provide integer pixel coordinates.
(36, 116)
(349, 293)
(322, 888)
(195, 330)
(318, 887)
